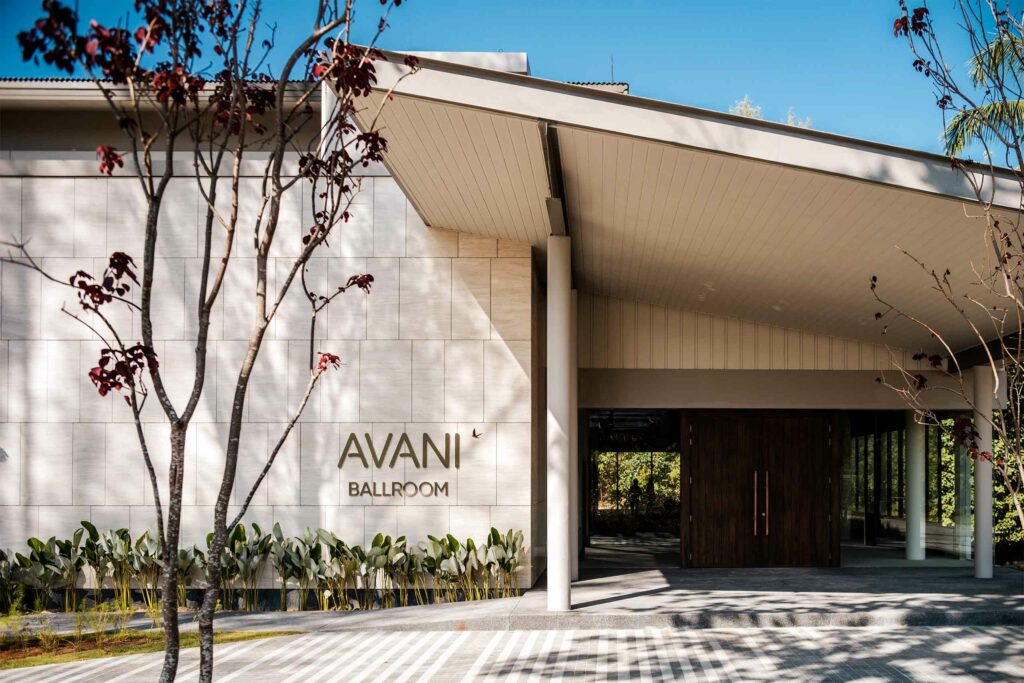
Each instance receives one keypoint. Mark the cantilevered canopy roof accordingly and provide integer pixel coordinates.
(683, 207)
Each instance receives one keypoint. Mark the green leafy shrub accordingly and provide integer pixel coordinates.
(9, 583)
(386, 573)
(336, 572)
(70, 561)
(96, 559)
(184, 566)
(440, 565)
(285, 559)
(118, 555)
(249, 555)
(505, 554)
(309, 552)
(146, 564)
(41, 569)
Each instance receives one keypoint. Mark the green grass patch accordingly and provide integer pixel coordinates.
(33, 651)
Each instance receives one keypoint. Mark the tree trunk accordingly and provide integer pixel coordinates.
(169, 583)
(210, 595)
(220, 510)
(213, 578)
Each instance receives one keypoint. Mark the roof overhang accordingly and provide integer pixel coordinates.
(688, 208)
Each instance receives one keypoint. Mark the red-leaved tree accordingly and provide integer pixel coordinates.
(188, 83)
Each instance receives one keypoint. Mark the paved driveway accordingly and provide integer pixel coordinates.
(866, 654)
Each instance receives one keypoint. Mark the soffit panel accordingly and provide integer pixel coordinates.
(731, 236)
(467, 170)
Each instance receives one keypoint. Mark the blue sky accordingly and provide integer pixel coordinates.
(834, 61)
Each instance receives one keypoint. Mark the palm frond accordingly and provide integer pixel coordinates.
(1005, 53)
(986, 123)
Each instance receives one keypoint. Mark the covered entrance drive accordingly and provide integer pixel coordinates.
(691, 260)
(760, 489)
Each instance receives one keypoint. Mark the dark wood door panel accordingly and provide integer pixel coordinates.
(760, 493)
(722, 493)
(797, 460)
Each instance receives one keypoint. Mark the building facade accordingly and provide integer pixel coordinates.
(542, 252)
(425, 429)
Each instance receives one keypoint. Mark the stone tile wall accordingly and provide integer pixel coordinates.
(443, 345)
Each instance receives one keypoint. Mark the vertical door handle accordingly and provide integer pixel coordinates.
(755, 502)
(767, 493)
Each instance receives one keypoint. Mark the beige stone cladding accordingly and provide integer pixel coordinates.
(443, 347)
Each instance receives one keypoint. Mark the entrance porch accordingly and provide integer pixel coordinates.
(693, 261)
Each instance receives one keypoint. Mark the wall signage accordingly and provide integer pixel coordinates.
(363, 453)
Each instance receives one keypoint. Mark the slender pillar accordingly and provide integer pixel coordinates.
(574, 447)
(916, 499)
(984, 388)
(559, 375)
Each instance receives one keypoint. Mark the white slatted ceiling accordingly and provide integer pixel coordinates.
(744, 239)
(615, 333)
(687, 228)
(467, 170)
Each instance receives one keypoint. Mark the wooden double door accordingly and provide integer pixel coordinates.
(759, 489)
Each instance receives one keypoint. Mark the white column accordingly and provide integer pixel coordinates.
(559, 375)
(984, 387)
(915, 504)
(574, 447)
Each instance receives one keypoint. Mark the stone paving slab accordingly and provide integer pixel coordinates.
(835, 654)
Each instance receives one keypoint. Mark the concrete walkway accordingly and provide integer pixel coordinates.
(932, 623)
(815, 654)
(691, 598)
(708, 599)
